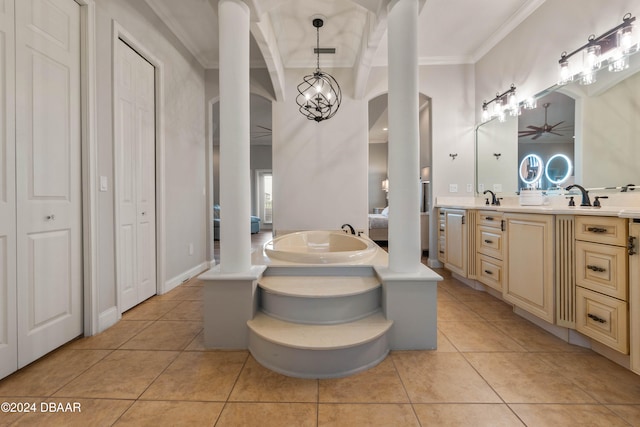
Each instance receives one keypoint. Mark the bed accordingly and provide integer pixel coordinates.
(379, 226)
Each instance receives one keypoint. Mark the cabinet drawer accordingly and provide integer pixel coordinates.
(490, 242)
(609, 230)
(490, 272)
(602, 268)
(490, 219)
(603, 318)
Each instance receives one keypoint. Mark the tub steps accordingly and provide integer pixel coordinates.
(319, 326)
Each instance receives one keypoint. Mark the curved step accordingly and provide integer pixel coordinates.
(318, 351)
(324, 300)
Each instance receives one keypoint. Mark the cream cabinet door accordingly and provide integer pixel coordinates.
(8, 337)
(135, 177)
(529, 264)
(456, 241)
(48, 176)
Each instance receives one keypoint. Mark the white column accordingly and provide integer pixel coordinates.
(404, 138)
(235, 188)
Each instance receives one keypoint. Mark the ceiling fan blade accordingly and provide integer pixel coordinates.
(264, 127)
(554, 133)
(559, 123)
(537, 136)
(535, 128)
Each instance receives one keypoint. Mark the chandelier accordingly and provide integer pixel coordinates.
(319, 94)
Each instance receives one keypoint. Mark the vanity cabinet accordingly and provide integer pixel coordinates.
(491, 249)
(529, 278)
(602, 280)
(634, 295)
(452, 240)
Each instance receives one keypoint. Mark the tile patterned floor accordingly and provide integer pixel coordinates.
(492, 368)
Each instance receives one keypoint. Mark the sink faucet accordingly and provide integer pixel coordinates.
(494, 200)
(349, 230)
(585, 194)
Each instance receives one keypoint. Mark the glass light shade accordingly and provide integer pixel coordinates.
(530, 103)
(497, 108)
(514, 107)
(385, 185)
(591, 58)
(618, 61)
(627, 41)
(588, 77)
(485, 113)
(565, 73)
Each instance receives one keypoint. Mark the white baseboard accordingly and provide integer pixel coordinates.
(108, 318)
(183, 277)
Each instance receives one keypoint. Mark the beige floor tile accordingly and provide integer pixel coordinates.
(183, 293)
(492, 310)
(629, 413)
(432, 377)
(600, 377)
(463, 415)
(154, 414)
(152, 309)
(197, 344)
(456, 311)
(186, 310)
(268, 415)
(533, 338)
(380, 384)
(205, 376)
(525, 378)
(259, 384)
(567, 415)
(92, 412)
(350, 415)
(124, 374)
(164, 335)
(444, 345)
(462, 292)
(478, 336)
(113, 337)
(45, 376)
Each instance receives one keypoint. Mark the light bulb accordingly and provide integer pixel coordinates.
(485, 114)
(626, 41)
(565, 73)
(591, 58)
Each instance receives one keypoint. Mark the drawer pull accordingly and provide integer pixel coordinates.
(442, 252)
(489, 218)
(488, 241)
(502, 225)
(596, 318)
(596, 268)
(597, 229)
(631, 246)
(488, 272)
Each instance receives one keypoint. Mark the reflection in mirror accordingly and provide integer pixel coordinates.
(558, 170)
(531, 168)
(496, 152)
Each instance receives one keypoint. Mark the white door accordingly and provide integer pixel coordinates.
(135, 177)
(48, 192)
(8, 340)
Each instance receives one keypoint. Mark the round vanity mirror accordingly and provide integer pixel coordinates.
(531, 169)
(558, 169)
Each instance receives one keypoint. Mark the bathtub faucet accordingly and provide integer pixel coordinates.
(350, 229)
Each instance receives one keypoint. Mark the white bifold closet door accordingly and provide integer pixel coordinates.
(48, 176)
(135, 177)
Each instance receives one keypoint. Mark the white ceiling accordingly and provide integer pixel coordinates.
(450, 31)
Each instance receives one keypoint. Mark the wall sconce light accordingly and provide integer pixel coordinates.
(506, 102)
(453, 155)
(497, 155)
(319, 94)
(612, 48)
(385, 185)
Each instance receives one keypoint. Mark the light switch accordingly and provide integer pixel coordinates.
(453, 188)
(103, 183)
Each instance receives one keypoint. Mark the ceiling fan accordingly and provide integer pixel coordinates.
(538, 131)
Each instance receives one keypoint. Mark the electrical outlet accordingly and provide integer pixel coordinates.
(469, 188)
(497, 188)
(104, 184)
(453, 188)
(190, 248)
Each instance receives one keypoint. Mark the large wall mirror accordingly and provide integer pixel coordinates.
(587, 135)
